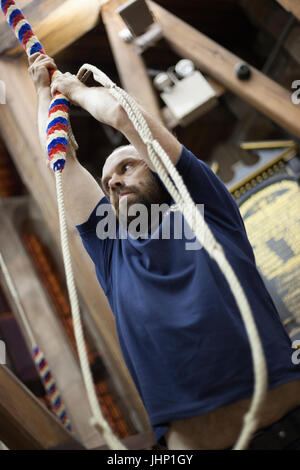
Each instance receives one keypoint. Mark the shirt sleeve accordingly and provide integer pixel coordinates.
(207, 188)
(97, 235)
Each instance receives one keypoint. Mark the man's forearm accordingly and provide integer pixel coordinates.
(97, 102)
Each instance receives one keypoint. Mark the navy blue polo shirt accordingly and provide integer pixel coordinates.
(179, 328)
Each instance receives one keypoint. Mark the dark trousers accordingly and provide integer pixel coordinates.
(282, 435)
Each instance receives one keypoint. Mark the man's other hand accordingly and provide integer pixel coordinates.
(96, 100)
(68, 85)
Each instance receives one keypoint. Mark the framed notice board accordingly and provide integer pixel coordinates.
(269, 202)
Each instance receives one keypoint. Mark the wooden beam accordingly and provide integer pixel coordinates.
(43, 321)
(264, 94)
(19, 131)
(293, 6)
(67, 23)
(35, 10)
(272, 20)
(25, 424)
(130, 65)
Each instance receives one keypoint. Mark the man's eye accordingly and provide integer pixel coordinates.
(126, 166)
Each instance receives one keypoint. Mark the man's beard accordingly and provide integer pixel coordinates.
(153, 192)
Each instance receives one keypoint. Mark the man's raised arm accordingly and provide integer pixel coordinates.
(82, 192)
(104, 107)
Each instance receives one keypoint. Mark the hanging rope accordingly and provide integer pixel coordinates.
(58, 134)
(39, 358)
(57, 143)
(97, 420)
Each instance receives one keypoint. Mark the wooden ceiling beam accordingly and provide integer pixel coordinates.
(130, 65)
(293, 6)
(60, 28)
(264, 94)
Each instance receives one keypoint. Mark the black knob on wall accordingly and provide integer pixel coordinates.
(243, 71)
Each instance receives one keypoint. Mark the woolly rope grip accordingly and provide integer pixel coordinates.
(57, 131)
(39, 358)
(51, 388)
(58, 119)
(21, 27)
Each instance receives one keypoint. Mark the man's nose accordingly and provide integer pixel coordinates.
(115, 182)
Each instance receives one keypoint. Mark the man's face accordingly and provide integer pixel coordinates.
(127, 180)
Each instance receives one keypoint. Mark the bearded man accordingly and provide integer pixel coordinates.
(179, 328)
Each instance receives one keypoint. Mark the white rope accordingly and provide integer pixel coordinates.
(181, 196)
(97, 420)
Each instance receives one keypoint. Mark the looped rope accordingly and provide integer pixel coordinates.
(86, 70)
(184, 202)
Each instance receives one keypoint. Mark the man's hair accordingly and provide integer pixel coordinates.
(121, 147)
